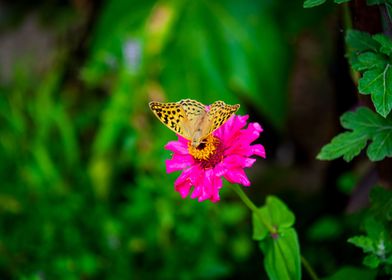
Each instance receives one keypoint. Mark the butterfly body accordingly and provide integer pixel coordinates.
(191, 119)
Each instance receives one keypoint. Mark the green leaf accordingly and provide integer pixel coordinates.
(281, 248)
(368, 60)
(341, 1)
(282, 258)
(260, 231)
(365, 125)
(279, 213)
(349, 272)
(371, 261)
(377, 244)
(363, 242)
(275, 214)
(385, 42)
(361, 41)
(346, 145)
(364, 121)
(313, 3)
(370, 55)
(381, 146)
(378, 82)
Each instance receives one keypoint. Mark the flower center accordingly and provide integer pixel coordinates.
(208, 153)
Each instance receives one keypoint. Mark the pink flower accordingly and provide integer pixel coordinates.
(226, 153)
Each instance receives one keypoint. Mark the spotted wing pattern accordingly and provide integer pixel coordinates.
(188, 117)
(172, 115)
(193, 109)
(219, 113)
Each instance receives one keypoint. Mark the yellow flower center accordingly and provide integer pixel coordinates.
(205, 150)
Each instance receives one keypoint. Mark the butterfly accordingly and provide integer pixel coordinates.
(191, 119)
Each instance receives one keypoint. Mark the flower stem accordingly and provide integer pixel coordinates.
(252, 207)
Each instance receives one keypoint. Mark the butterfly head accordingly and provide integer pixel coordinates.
(196, 143)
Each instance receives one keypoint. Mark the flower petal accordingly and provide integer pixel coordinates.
(178, 162)
(237, 176)
(258, 150)
(177, 147)
(237, 161)
(183, 183)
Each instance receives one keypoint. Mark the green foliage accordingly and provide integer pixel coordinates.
(348, 272)
(381, 204)
(85, 194)
(371, 56)
(377, 243)
(314, 3)
(272, 226)
(220, 42)
(365, 125)
(325, 228)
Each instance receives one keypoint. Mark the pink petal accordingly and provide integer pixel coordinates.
(209, 189)
(236, 161)
(183, 183)
(251, 133)
(220, 169)
(258, 150)
(178, 162)
(217, 186)
(208, 185)
(237, 176)
(177, 147)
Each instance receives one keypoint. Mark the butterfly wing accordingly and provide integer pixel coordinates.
(172, 115)
(194, 110)
(219, 113)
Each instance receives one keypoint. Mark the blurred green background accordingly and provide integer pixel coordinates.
(84, 193)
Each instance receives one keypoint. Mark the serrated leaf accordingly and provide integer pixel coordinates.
(378, 83)
(369, 55)
(364, 121)
(365, 125)
(352, 273)
(368, 60)
(361, 41)
(346, 145)
(385, 42)
(363, 242)
(381, 146)
(313, 3)
(282, 256)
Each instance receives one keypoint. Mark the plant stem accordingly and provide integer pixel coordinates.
(309, 268)
(347, 23)
(252, 207)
